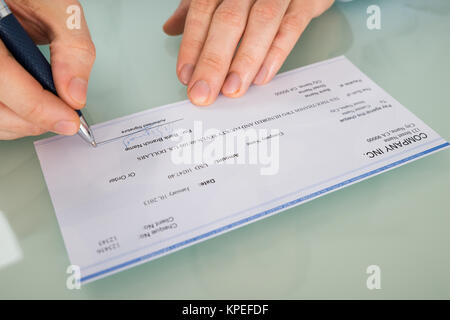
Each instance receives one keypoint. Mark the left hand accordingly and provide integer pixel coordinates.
(210, 61)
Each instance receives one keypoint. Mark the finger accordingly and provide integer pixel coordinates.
(298, 16)
(196, 28)
(11, 122)
(26, 97)
(175, 24)
(224, 34)
(263, 24)
(72, 54)
(63, 24)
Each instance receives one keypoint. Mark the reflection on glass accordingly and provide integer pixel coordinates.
(10, 251)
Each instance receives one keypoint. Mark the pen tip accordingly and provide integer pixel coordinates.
(94, 144)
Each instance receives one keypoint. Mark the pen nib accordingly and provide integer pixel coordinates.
(86, 133)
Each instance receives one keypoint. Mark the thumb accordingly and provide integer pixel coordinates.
(72, 57)
(175, 24)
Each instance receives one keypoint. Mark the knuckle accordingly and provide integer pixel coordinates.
(87, 46)
(191, 43)
(246, 59)
(230, 17)
(266, 12)
(279, 51)
(29, 130)
(203, 6)
(34, 111)
(293, 23)
(213, 61)
(35, 131)
(194, 23)
(83, 46)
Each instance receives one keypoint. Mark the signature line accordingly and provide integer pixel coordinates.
(140, 130)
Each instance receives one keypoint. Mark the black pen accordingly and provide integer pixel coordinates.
(30, 57)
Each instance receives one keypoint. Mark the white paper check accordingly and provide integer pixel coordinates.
(158, 181)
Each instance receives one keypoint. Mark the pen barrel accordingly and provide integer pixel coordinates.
(26, 52)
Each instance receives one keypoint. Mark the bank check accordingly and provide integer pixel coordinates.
(170, 177)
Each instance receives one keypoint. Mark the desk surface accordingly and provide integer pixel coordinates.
(398, 220)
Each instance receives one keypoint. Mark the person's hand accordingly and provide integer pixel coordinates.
(25, 107)
(210, 60)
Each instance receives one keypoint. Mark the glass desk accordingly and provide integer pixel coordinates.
(398, 220)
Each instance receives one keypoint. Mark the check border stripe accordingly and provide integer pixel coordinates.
(262, 214)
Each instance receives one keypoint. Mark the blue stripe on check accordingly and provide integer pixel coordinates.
(261, 214)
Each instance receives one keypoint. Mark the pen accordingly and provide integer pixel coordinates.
(30, 57)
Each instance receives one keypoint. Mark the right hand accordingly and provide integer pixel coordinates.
(27, 109)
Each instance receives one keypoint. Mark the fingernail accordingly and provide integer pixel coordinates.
(78, 90)
(199, 92)
(261, 76)
(232, 84)
(186, 73)
(66, 127)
